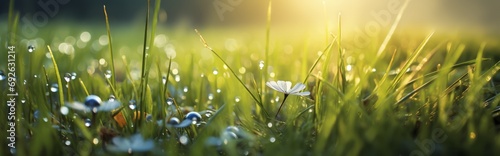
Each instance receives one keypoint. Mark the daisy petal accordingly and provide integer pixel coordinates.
(288, 86)
(274, 85)
(298, 87)
(302, 93)
(78, 106)
(284, 86)
(108, 106)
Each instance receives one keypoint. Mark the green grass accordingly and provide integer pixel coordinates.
(357, 106)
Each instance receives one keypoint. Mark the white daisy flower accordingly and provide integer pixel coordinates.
(286, 87)
(135, 143)
(94, 104)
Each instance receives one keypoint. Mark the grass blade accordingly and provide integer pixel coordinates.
(234, 74)
(58, 77)
(108, 30)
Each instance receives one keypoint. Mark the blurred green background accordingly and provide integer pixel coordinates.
(459, 15)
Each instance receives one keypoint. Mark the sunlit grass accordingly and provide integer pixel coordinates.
(409, 94)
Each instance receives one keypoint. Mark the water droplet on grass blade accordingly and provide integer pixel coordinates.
(107, 74)
(67, 77)
(183, 139)
(46, 119)
(67, 142)
(132, 106)
(2, 75)
(73, 76)
(269, 124)
(174, 121)
(88, 122)
(215, 72)
(170, 101)
(164, 79)
(261, 65)
(31, 48)
(210, 96)
(64, 110)
(185, 89)
(111, 98)
(54, 88)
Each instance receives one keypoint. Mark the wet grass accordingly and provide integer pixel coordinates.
(411, 95)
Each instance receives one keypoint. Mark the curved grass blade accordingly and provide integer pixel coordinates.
(58, 76)
(108, 30)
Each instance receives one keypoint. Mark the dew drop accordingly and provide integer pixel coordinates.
(95, 141)
(132, 106)
(261, 65)
(54, 88)
(64, 110)
(184, 139)
(269, 124)
(170, 101)
(31, 48)
(218, 90)
(46, 119)
(237, 99)
(107, 74)
(2, 75)
(67, 77)
(88, 123)
(164, 79)
(272, 139)
(73, 76)
(210, 96)
(111, 98)
(23, 101)
(174, 121)
(215, 72)
(67, 142)
(185, 89)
